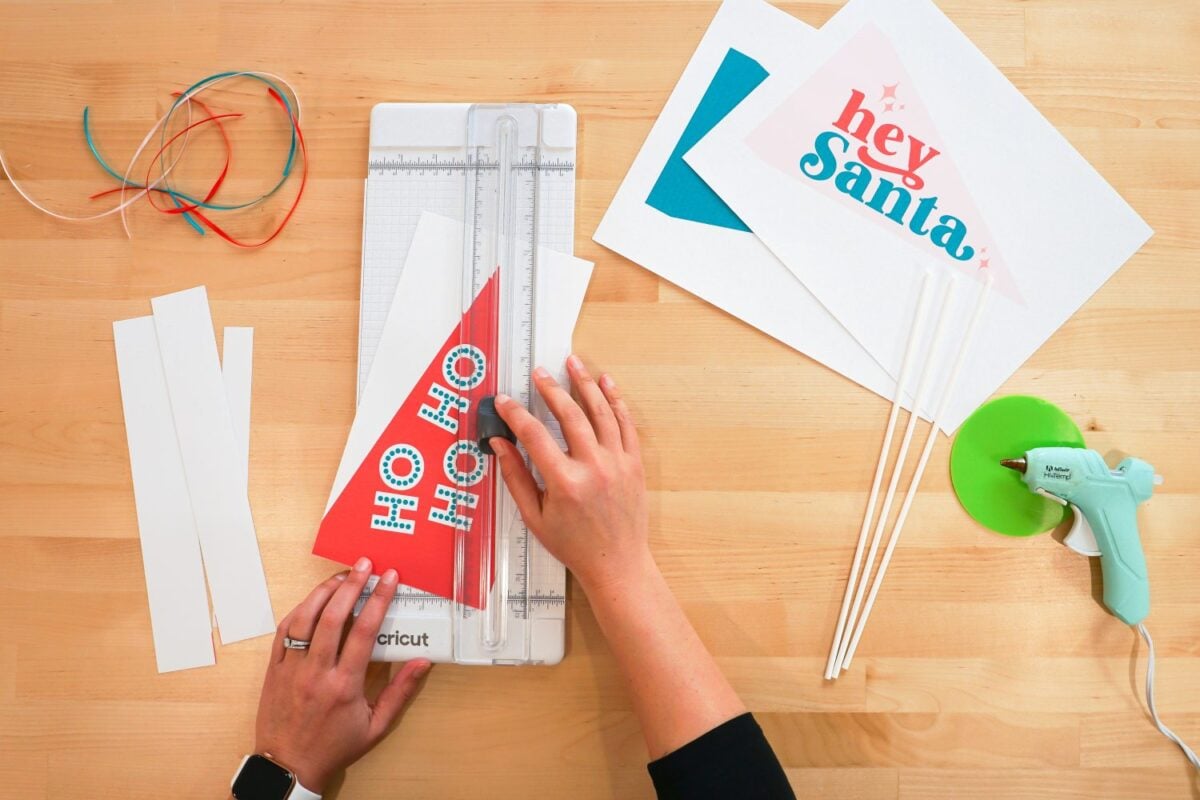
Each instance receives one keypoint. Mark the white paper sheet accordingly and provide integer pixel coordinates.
(1048, 228)
(237, 358)
(170, 550)
(415, 330)
(211, 460)
(730, 268)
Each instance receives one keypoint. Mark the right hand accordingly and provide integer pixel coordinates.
(592, 515)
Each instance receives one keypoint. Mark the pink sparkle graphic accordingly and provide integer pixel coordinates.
(984, 263)
(890, 101)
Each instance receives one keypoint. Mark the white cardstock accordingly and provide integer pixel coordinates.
(893, 144)
(171, 561)
(213, 464)
(730, 268)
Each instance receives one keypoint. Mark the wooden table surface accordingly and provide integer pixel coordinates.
(989, 669)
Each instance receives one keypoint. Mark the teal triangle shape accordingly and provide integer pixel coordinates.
(679, 192)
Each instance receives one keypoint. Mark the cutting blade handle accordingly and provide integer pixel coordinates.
(491, 424)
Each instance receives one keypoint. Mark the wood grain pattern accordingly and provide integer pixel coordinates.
(989, 670)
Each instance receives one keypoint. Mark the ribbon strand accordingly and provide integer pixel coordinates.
(197, 211)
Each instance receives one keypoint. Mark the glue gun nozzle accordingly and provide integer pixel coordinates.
(1014, 463)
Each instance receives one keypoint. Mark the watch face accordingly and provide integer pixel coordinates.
(262, 779)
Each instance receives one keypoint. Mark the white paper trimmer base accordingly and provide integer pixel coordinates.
(419, 162)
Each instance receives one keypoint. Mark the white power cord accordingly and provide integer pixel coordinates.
(1167, 732)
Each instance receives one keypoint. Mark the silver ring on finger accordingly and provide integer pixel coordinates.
(295, 644)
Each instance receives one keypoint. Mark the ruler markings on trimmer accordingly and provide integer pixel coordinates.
(403, 182)
(515, 600)
(447, 166)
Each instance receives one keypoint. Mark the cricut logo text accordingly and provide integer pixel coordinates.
(404, 639)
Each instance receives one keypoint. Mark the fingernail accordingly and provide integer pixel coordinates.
(422, 670)
(341, 576)
(607, 382)
(497, 448)
(391, 576)
(542, 372)
(502, 399)
(362, 565)
(575, 361)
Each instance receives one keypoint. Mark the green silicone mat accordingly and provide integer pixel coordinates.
(1007, 427)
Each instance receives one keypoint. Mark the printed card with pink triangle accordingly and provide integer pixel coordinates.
(893, 146)
(863, 107)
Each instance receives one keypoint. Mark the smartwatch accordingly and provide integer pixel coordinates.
(260, 778)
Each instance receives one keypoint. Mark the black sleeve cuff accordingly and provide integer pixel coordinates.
(734, 759)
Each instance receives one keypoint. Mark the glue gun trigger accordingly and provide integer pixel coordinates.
(1081, 538)
(1050, 496)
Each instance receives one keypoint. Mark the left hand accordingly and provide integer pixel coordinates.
(314, 716)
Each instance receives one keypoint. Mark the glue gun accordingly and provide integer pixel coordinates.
(1105, 505)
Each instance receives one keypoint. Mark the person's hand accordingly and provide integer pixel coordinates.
(592, 514)
(314, 717)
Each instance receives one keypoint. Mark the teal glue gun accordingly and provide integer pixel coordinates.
(1105, 503)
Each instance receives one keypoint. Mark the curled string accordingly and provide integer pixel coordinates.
(190, 208)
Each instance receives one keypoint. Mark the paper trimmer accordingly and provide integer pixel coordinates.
(507, 171)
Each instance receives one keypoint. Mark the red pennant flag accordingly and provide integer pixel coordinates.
(425, 477)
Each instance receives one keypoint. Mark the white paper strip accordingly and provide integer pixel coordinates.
(237, 349)
(211, 462)
(170, 550)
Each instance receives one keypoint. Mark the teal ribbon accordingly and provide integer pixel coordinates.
(175, 195)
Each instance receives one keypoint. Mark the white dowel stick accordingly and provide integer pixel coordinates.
(914, 335)
(927, 373)
(947, 393)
